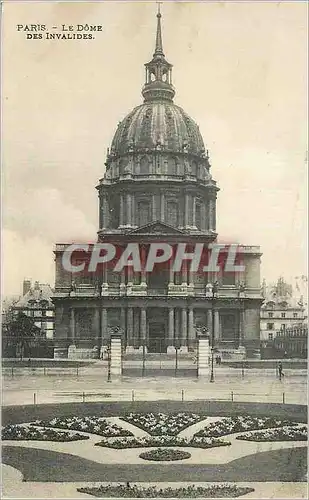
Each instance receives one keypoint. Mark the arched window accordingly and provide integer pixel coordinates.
(198, 215)
(172, 166)
(194, 168)
(143, 213)
(172, 213)
(144, 166)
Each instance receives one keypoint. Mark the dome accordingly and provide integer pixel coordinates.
(158, 125)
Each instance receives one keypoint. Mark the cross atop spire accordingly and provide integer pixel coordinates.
(159, 46)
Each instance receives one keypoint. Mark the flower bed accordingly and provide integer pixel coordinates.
(165, 455)
(286, 433)
(160, 424)
(27, 433)
(231, 425)
(146, 442)
(93, 425)
(122, 491)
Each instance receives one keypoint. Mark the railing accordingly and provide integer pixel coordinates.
(180, 394)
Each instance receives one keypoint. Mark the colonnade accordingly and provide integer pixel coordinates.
(127, 210)
(135, 322)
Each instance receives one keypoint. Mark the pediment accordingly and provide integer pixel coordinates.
(157, 227)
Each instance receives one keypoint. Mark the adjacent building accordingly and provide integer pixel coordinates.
(158, 186)
(36, 302)
(280, 311)
(292, 342)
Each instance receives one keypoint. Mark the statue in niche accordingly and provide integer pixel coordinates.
(188, 170)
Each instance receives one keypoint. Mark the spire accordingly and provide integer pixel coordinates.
(158, 84)
(159, 46)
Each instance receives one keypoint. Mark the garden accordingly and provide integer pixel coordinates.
(286, 433)
(30, 433)
(134, 491)
(93, 425)
(161, 430)
(161, 424)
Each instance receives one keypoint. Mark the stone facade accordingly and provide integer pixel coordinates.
(158, 187)
(280, 311)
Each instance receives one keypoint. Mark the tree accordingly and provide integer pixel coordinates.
(21, 332)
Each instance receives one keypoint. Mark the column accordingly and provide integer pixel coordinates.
(101, 213)
(123, 281)
(191, 276)
(97, 327)
(121, 211)
(171, 280)
(171, 319)
(104, 211)
(129, 209)
(191, 331)
(162, 207)
(209, 321)
(217, 325)
(212, 214)
(184, 328)
(129, 276)
(193, 211)
(154, 208)
(209, 207)
(241, 325)
(72, 348)
(104, 288)
(190, 279)
(177, 334)
(130, 340)
(123, 320)
(133, 210)
(204, 217)
(186, 209)
(143, 327)
(184, 273)
(143, 261)
(104, 333)
(72, 325)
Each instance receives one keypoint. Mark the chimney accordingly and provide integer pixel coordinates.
(26, 286)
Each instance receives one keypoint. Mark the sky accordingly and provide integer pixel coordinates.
(239, 70)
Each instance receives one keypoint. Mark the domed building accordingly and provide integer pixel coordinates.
(157, 168)
(158, 186)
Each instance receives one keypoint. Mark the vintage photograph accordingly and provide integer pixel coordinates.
(154, 285)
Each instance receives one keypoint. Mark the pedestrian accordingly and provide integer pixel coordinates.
(280, 370)
(219, 359)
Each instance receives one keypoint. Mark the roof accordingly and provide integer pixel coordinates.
(40, 292)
